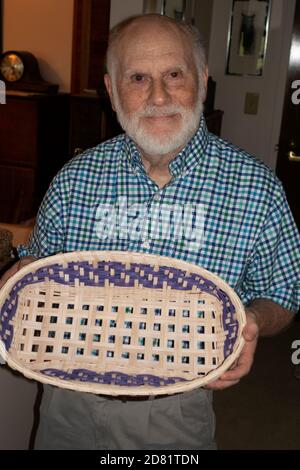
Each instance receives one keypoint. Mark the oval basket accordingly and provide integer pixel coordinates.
(119, 323)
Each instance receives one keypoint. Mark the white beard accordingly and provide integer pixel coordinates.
(150, 143)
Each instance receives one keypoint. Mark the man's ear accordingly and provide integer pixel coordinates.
(108, 86)
(204, 81)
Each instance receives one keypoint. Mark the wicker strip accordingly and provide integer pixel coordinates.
(119, 323)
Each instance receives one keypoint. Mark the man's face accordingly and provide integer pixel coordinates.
(155, 89)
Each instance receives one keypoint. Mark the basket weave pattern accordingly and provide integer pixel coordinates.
(111, 321)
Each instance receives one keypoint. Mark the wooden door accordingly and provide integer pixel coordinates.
(90, 39)
(288, 163)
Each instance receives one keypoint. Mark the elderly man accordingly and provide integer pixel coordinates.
(167, 159)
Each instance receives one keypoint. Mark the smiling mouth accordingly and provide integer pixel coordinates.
(163, 117)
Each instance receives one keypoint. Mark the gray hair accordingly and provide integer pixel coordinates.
(189, 31)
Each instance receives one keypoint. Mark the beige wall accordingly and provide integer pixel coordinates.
(43, 27)
(258, 134)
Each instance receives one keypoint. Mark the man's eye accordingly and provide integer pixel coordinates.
(138, 78)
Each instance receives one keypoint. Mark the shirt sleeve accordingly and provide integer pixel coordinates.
(48, 234)
(273, 270)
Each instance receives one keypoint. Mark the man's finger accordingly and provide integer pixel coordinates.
(221, 384)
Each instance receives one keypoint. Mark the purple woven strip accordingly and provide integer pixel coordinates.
(112, 378)
(197, 281)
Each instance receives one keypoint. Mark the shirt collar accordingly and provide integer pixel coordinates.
(186, 160)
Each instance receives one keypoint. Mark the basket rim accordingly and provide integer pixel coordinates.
(117, 390)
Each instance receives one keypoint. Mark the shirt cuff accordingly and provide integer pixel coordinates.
(23, 250)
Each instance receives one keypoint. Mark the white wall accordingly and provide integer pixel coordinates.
(258, 134)
(45, 29)
(120, 9)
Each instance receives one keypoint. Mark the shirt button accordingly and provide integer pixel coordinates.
(156, 196)
(146, 244)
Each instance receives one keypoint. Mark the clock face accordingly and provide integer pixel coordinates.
(11, 67)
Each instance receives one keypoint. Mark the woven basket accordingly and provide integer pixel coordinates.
(119, 323)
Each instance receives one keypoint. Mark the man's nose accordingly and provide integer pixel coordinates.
(159, 95)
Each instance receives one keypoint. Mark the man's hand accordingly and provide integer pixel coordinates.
(242, 365)
(16, 267)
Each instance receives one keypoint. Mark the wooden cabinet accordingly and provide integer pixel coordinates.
(214, 121)
(93, 121)
(33, 147)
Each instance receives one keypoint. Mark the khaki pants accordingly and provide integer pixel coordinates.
(75, 421)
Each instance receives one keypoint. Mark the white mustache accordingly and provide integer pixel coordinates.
(154, 111)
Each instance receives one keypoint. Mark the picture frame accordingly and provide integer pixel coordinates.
(153, 6)
(248, 37)
(182, 10)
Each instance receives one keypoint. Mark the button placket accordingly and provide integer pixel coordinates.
(157, 196)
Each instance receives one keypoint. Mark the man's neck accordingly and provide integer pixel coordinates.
(157, 167)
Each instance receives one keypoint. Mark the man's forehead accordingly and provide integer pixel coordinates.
(144, 26)
(152, 38)
(146, 47)
(167, 55)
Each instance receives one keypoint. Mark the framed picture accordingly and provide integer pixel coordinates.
(153, 6)
(247, 38)
(182, 10)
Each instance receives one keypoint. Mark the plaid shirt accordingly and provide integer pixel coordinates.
(249, 238)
